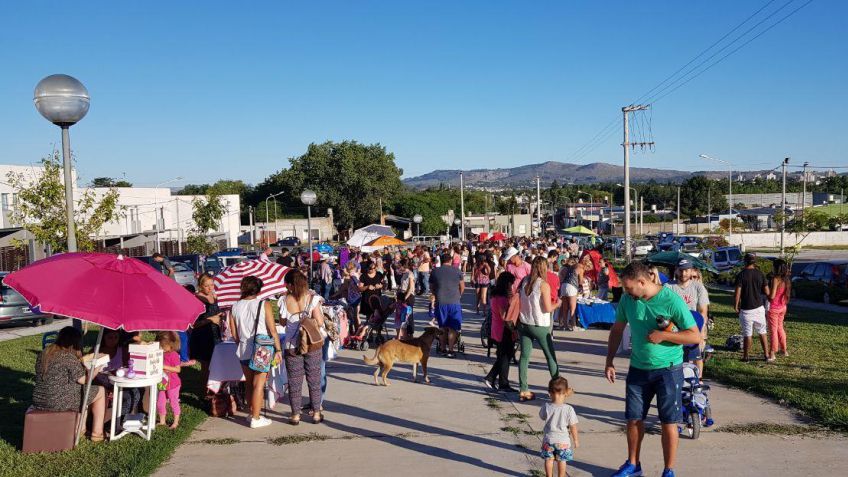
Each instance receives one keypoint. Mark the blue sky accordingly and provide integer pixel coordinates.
(210, 90)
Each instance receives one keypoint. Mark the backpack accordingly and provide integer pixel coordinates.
(353, 293)
(734, 343)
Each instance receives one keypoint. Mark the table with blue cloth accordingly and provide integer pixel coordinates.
(591, 313)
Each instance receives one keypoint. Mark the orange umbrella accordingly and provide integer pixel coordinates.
(385, 241)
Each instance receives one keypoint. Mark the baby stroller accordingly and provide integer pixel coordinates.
(373, 333)
(440, 348)
(695, 403)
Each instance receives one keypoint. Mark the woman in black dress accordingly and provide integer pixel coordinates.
(370, 284)
(207, 331)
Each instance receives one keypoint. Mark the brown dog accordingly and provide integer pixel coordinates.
(414, 351)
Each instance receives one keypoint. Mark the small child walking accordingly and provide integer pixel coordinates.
(560, 438)
(169, 388)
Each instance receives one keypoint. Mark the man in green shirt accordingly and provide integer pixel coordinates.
(655, 361)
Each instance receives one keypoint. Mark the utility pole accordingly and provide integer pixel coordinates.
(783, 206)
(641, 214)
(677, 231)
(626, 145)
(709, 207)
(804, 195)
(462, 205)
(539, 205)
(252, 226)
(179, 230)
(159, 228)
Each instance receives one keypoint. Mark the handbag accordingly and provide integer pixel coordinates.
(263, 347)
(310, 338)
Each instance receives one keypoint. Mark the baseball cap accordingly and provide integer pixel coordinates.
(685, 264)
(750, 258)
(510, 252)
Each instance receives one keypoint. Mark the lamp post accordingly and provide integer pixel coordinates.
(458, 223)
(308, 197)
(267, 219)
(591, 203)
(417, 219)
(729, 188)
(160, 214)
(64, 101)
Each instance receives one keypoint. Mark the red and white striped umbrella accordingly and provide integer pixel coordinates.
(228, 282)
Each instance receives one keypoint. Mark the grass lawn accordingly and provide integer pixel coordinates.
(813, 379)
(129, 456)
(832, 209)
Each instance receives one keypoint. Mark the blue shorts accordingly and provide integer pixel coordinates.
(559, 452)
(449, 316)
(643, 385)
(692, 353)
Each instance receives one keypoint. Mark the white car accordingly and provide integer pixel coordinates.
(642, 248)
(184, 275)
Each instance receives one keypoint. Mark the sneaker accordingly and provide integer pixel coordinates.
(668, 473)
(489, 384)
(629, 470)
(261, 422)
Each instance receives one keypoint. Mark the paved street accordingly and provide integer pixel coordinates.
(451, 428)
(17, 330)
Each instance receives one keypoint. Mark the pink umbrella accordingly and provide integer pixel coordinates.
(228, 282)
(110, 290)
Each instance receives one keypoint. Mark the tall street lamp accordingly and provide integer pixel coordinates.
(417, 219)
(64, 101)
(458, 224)
(267, 240)
(309, 198)
(729, 188)
(160, 215)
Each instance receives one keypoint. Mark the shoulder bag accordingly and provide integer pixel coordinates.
(311, 338)
(263, 347)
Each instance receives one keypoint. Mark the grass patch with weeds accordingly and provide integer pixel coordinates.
(130, 456)
(493, 403)
(771, 428)
(532, 432)
(512, 430)
(224, 441)
(813, 379)
(536, 473)
(297, 439)
(517, 415)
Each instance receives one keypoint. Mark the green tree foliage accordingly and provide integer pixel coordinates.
(349, 177)
(696, 193)
(41, 207)
(207, 214)
(109, 182)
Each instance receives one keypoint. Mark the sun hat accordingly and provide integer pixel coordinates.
(510, 252)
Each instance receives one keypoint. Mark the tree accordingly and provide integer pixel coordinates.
(109, 182)
(41, 207)
(696, 193)
(207, 214)
(193, 189)
(350, 177)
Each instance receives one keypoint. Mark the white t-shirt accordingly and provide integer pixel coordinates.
(293, 319)
(244, 316)
(557, 418)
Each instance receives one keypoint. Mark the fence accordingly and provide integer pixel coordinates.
(14, 258)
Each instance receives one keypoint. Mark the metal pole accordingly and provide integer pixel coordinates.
(709, 207)
(179, 230)
(276, 232)
(265, 236)
(729, 195)
(462, 205)
(677, 229)
(69, 189)
(539, 205)
(252, 226)
(641, 214)
(309, 234)
(69, 202)
(84, 406)
(162, 218)
(783, 206)
(625, 144)
(804, 195)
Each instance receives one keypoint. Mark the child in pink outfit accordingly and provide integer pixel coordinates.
(169, 388)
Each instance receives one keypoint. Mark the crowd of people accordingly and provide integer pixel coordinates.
(528, 287)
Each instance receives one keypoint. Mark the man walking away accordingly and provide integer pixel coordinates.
(161, 263)
(751, 286)
(447, 285)
(660, 323)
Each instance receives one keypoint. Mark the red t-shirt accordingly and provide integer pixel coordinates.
(553, 281)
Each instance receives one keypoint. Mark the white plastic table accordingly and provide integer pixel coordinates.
(117, 394)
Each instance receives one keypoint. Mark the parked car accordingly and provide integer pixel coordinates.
(323, 248)
(825, 281)
(288, 242)
(642, 248)
(15, 309)
(184, 274)
(213, 265)
(723, 258)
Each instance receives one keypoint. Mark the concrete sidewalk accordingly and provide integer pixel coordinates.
(454, 427)
(18, 330)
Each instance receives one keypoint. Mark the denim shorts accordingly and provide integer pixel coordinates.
(643, 385)
(556, 451)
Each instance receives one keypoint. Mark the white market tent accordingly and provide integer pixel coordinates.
(368, 234)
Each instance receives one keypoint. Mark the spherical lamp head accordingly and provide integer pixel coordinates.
(61, 99)
(417, 218)
(308, 197)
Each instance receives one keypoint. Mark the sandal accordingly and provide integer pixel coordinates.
(96, 437)
(318, 418)
(294, 420)
(526, 396)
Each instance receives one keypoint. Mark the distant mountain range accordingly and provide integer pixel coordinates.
(564, 173)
